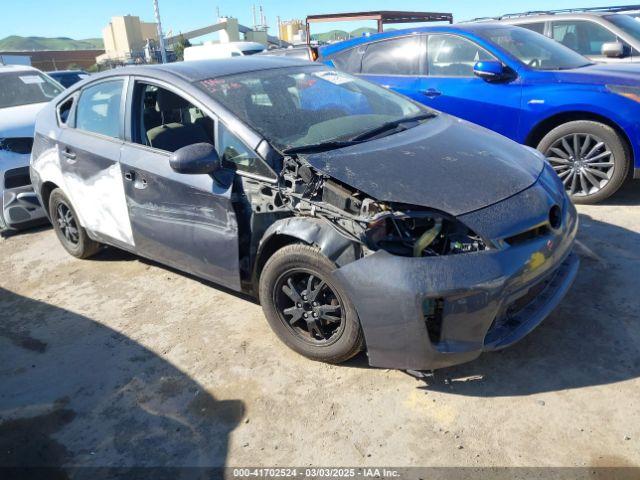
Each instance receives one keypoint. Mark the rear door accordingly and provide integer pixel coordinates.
(89, 151)
(185, 221)
(395, 63)
(451, 86)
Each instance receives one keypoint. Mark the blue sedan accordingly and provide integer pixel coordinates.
(583, 117)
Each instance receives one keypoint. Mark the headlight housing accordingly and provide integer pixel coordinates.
(630, 92)
(421, 234)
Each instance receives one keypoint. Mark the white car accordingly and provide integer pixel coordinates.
(23, 92)
(222, 50)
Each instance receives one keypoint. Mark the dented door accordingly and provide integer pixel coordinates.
(185, 221)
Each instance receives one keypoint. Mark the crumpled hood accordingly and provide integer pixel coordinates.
(19, 121)
(446, 164)
(619, 74)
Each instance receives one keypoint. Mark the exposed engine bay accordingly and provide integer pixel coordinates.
(401, 230)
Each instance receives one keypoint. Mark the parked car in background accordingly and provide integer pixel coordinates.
(66, 78)
(300, 52)
(600, 34)
(23, 92)
(364, 218)
(519, 83)
(210, 50)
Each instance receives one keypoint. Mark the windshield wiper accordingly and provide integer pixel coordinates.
(318, 147)
(390, 126)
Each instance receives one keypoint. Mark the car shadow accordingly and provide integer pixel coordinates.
(629, 194)
(76, 395)
(592, 338)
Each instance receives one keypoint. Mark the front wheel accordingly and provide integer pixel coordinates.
(308, 310)
(589, 157)
(65, 222)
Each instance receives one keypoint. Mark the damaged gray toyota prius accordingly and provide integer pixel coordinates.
(358, 218)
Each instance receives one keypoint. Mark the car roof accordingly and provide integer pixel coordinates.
(17, 68)
(196, 70)
(553, 16)
(61, 72)
(456, 28)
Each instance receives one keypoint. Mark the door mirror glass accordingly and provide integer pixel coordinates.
(613, 50)
(489, 70)
(198, 158)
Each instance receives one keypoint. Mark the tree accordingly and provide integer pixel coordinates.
(180, 46)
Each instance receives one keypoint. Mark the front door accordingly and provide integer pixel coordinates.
(88, 151)
(451, 86)
(587, 38)
(185, 221)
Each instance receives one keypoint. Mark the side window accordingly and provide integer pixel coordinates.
(237, 155)
(98, 108)
(537, 27)
(582, 36)
(167, 121)
(398, 56)
(453, 56)
(348, 60)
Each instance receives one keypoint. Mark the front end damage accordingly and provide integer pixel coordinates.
(431, 290)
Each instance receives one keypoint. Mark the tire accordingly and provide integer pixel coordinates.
(330, 342)
(587, 181)
(65, 222)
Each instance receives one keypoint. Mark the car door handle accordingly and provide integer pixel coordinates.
(431, 92)
(68, 154)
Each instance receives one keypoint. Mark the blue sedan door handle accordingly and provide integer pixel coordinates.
(431, 92)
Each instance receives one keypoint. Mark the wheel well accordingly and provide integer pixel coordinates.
(45, 193)
(545, 126)
(273, 244)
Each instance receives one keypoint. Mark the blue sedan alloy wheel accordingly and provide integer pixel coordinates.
(589, 157)
(583, 162)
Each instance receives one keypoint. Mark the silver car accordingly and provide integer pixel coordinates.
(604, 35)
(23, 92)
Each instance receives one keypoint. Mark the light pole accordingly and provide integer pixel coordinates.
(163, 52)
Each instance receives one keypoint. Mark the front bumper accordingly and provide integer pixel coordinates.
(20, 207)
(485, 301)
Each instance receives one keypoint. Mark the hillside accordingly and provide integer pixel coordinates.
(336, 35)
(17, 43)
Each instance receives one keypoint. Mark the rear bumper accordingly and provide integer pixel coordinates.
(483, 301)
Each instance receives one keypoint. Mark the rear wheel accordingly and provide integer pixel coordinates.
(308, 310)
(589, 157)
(65, 222)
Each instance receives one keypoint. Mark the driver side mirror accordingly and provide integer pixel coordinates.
(198, 158)
(490, 70)
(613, 50)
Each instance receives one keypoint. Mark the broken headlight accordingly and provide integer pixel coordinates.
(421, 234)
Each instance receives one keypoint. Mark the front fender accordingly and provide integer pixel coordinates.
(312, 231)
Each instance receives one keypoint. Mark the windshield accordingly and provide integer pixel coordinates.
(630, 25)
(535, 50)
(295, 107)
(26, 87)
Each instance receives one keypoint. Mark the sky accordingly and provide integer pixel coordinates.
(80, 19)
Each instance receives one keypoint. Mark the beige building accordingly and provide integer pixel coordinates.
(292, 31)
(125, 37)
